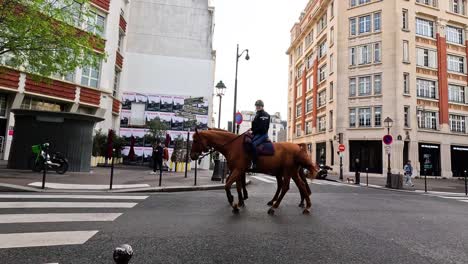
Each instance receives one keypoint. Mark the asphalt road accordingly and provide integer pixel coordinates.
(347, 225)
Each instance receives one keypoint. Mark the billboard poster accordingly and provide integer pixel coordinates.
(202, 121)
(166, 104)
(178, 103)
(141, 98)
(154, 102)
(149, 116)
(125, 117)
(177, 123)
(127, 100)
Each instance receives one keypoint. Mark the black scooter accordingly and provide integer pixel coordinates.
(323, 172)
(55, 161)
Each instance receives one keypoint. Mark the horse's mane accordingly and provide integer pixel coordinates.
(218, 129)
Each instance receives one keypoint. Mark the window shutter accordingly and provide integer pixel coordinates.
(420, 54)
(432, 59)
(351, 55)
(437, 90)
(369, 54)
(437, 121)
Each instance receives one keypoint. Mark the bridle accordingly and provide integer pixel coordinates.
(212, 150)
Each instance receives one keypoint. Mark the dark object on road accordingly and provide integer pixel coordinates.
(55, 161)
(323, 172)
(357, 167)
(123, 254)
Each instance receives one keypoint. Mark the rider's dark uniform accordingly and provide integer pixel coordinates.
(260, 126)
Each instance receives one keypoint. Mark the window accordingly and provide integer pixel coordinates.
(352, 117)
(454, 35)
(406, 83)
(322, 23)
(115, 91)
(364, 85)
(405, 19)
(407, 116)
(377, 54)
(322, 72)
(298, 110)
(32, 103)
(331, 90)
(352, 87)
(322, 123)
(299, 51)
(377, 21)
(426, 88)
(456, 93)
(364, 117)
(310, 61)
(330, 119)
(96, 24)
(322, 98)
(308, 126)
(69, 77)
(331, 63)
(309, 38)
(457, 123)
(405, 51)
(426, 58)
(309, 82)
(377, 84)
(332, 35)
(90, 76)
(299, 90)
(3, 105)
(457, 6)
(120, 43)
(427, 120)
(424, 27)
(361, 2)
(299, 71)
(298, 130)
(455, 63)
(309, 105)
(365, 24)
(378, 116)
(332, 10)
(365, 54)
(428, 2)
(290, 77)
(352, 56)
(352, 26)
(322, 49)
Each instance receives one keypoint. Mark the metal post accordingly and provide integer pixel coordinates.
(341, 167)
(367, 176)
(235, 93)
(160, 173)
(389, 168)
(44, 173)
(196, 168)
(237, 129)
(112, 170)
(219, 112)
(466, 186)
(425, 181)
(187, 153)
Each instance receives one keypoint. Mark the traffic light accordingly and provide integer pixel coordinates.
(340, 138)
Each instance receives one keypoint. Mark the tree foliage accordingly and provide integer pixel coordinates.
(157, 129)
(100, 144)
(45, 37)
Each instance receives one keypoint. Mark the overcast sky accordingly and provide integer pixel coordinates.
(263, 27)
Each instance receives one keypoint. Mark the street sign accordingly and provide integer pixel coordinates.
(239, 118)
(388, 149)
(387, 139)
(341, 148)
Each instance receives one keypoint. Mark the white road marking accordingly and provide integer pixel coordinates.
(19, 240)
(47, 196)
(454, 197)
(263, 179)
(53, 218)
(67, 186)
(64, 205)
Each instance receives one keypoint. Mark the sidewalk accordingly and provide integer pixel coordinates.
(453, 185)
(128, 178)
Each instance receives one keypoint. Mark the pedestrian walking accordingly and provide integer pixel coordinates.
(157, 156)
(357, 167)
(165, 157)
(408, 173)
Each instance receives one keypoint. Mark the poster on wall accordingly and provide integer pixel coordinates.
(127, 100)
(166, 103)
(166, 119)
(202, 122)
(177, 123)
(141, 98)
(154, 102)
(150, 116)
(125, 118)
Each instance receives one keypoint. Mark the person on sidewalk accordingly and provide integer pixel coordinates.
(166, 157)
(157, 156)
(408, 173)
(357, 167)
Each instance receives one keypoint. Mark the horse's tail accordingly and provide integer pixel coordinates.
(305, 162)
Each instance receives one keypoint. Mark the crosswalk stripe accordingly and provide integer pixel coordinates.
(67, 186)
(45, 196)
(64, 205)
(454, 197)
(19, 240)
(53, 218)
(263, 179)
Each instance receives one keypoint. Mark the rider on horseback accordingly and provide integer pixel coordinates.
(260, 126)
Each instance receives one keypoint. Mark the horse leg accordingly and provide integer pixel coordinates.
(304, 179)
(239, 192)
(279, 182)
(244, 187)
(284, 190)
(302, 187)
(233, 178)
(301, 204)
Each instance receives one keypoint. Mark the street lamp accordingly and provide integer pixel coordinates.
(388, 124)
(220, 90)
(247, 57)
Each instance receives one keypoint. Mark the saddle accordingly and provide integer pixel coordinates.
(265, 149)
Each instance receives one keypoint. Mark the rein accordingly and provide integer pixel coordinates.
(225, 144)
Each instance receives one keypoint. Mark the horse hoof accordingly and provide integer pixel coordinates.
(235, 211)
(270, 203)
(242, 204)
(306, 212)
(271, 211)
(246, 197)
(301, 205)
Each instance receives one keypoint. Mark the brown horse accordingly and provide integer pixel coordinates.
(285, 163)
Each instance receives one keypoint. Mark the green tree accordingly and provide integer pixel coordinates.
(157, 129)
(45, 36)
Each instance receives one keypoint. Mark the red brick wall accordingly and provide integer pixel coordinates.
(119, 60)
(315, 92)
(53, 88)
(123, 23)
(115, 106)
(443, 82)
(304, 89)
(293, 121)
(90, 96)
(104, 4)
(9, 78)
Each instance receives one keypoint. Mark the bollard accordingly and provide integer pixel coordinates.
(112, 170)
(367, 177)
(466, 186)
(187, 153)
(425, 181)
(44, 173)
(123, 254)
(160, 173)
(196, 168)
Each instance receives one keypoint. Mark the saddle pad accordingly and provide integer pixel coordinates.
(265, 149)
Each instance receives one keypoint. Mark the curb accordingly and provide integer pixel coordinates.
(5, 187)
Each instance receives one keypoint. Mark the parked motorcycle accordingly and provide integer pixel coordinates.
(56, 161)
(323, 171)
